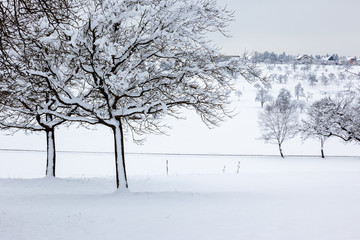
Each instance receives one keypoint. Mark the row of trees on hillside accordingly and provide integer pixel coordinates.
(311, 74)
(283, 58)
(263, 94)
(123, 64)
(329, 117)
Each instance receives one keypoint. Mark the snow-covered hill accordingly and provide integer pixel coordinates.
(239, 135)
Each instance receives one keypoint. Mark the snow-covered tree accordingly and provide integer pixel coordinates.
(263, 94)
(24, 107)
(299, 91)
(284, 100)
(317, 123)
(126, 64)
(25, 98)
(341, 76)
(324, 79)
(279, 120)
(312, 79)
(338, 116)
(300, 105)
(282, 78)
(332, 77)
(345, 117)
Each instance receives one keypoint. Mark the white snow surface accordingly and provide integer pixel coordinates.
(271, 198)
(202, 198)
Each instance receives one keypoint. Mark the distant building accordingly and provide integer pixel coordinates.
(351, 60)
(304, 59)
(331, 58)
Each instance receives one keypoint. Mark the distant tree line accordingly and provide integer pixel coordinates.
(275, 58)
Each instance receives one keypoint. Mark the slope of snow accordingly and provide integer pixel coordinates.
(239, 135)
(270, 198)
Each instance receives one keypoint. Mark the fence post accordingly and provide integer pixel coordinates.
(167, 167)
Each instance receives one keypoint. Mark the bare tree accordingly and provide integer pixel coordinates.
(279, 121)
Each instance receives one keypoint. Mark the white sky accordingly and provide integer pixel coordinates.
(296, 27)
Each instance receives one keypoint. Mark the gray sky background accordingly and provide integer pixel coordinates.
(296, 27)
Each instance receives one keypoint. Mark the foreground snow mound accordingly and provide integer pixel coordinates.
(310, 199)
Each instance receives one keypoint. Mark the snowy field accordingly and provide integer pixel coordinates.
(203, 197)
(270, 198)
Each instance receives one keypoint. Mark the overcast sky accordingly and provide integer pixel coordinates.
(296, 27)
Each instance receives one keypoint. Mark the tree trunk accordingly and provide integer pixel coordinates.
(322, 147)
(51, 154)
(281, 153)
(121, 178)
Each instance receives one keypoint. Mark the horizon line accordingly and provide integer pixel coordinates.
(174, 154)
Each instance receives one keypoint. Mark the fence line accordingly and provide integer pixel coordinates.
(170, 154)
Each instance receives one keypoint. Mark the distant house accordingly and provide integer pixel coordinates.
(331, 58)
(351, 60)
(304, 59)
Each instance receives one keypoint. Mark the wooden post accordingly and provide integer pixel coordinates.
(167, 167)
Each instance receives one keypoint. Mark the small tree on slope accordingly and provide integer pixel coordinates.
(299, 91)
(262, 94)
(318, 122)
(345, 117)
(279, 120)
(338, 116)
